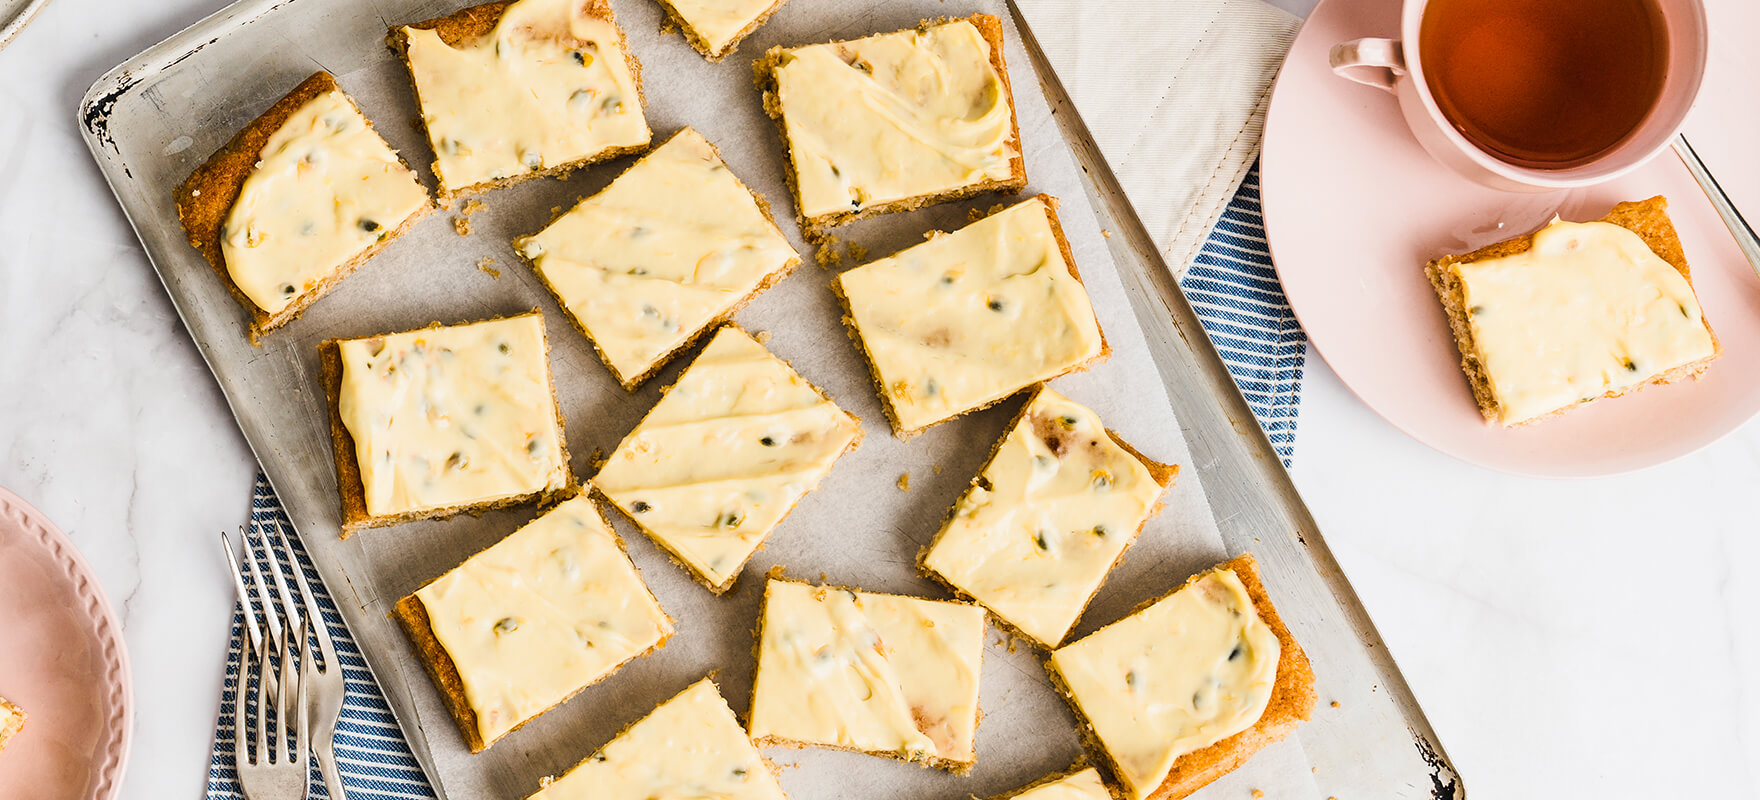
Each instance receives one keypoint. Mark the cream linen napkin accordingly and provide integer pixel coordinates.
(1174, 93)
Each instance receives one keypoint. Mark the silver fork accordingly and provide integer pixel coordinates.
(325, 690)
(1746, 240)
(279, 769)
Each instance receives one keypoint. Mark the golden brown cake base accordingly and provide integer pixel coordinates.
(353, 492)
(468, 25)
(1292, 700)
(1646, 218)
(815, 228)
(206, 197)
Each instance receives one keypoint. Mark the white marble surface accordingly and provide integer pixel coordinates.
(1587, 639)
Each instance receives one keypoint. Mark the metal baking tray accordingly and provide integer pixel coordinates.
(150, 121)
(14, 15)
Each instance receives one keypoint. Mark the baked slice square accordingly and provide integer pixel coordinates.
(296, 201)
(1036, 533)
(674, 245)
(716, 27)
(1188, 687)
(688, 746)
(11, 721)
(773, 437)
(525, 624)
(516, 90)
(1575, 312)
(968, 318)
(895, 121)
(882, 674)
(443, 419)
(1078, 783)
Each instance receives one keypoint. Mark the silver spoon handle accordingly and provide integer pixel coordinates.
(1732, 218)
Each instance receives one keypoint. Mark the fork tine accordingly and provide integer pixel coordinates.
(263, 753)
(288, 608)
(244, 599)
(271, 621)
(253, 626)
(321, 690)
(286, 736)
(240, 734)
(290, 619)
(302, 732)
(326, 648)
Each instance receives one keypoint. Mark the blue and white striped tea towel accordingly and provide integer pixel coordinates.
(1231, 285)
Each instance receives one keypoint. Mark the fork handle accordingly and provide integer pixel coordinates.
(1732, 217)
(324, 747)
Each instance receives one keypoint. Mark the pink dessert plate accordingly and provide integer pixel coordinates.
(63, 661)
(1353, 210)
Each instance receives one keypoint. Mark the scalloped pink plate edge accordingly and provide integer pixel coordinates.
(63, 660)
(1353, 210)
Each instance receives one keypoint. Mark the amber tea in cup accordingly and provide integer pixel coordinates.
(1544, 84)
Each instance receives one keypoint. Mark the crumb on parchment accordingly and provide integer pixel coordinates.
(462, 223)
(827, 255)
(904, 482)
(834, 252)
(487, 264)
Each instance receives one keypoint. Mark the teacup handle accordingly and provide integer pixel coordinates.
(1372, 62)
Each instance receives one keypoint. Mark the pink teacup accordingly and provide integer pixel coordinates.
(1396, 66)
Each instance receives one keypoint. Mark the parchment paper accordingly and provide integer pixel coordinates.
(857, 529)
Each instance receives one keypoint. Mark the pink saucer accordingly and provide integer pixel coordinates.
(1354, 208)
(62, 660)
